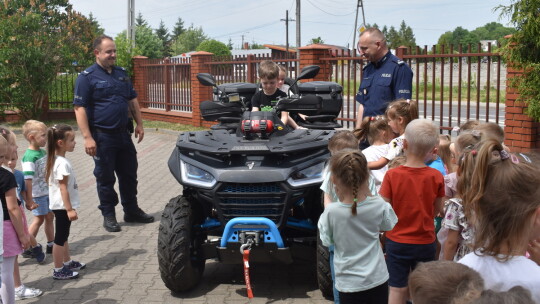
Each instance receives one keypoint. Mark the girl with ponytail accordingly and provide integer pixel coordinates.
(352, 226)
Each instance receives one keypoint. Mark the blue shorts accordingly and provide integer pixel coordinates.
(402, 258)
(43, 206)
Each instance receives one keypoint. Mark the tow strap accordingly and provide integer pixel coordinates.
(246, 274)
(244, 250)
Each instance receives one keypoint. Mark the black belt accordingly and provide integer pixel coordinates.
(110, 131)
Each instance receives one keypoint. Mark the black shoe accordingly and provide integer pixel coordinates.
(49, 249)
(138, 216)
(110, 224)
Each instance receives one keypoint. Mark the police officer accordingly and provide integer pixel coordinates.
(103, 97)
(385, 77)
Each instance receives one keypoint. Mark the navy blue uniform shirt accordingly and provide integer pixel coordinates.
(382, 82)
(104, 96)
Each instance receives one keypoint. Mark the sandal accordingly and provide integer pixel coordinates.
(24, 292)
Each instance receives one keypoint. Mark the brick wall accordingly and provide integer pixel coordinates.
(522, 133)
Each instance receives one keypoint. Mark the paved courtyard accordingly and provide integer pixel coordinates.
(123, 267)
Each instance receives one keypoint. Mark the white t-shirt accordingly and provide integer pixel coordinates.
(358, 257)
(374, 153)
(62, 167)
(502, 276)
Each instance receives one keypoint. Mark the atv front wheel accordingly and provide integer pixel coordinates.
(181, 263)
(324, 274)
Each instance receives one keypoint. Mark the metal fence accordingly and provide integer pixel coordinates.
(63, 88)
(244, 68)
(451, 86)
(167, 84)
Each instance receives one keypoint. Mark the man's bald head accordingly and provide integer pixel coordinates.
(372, 44)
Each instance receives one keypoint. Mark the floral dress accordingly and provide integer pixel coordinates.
(454, 219)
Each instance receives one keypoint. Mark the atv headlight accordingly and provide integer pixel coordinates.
(196, 176)
(307, 176)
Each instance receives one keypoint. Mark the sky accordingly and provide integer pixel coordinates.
(332, 20)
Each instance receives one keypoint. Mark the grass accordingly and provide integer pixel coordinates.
(148, 124)
(352, 90)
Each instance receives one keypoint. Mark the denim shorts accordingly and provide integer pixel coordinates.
(43, 206)
(402, 258)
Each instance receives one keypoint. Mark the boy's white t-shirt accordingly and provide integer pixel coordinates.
(502, 276)
(374, 153)
(62, 167)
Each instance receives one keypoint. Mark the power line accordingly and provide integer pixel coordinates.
(328, 12)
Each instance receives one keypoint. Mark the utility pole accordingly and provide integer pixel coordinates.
(298, 40)
(131, 23)
(358, 5)
(287, 31)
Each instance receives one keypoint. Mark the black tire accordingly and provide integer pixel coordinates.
(181, 264)
(324, 274)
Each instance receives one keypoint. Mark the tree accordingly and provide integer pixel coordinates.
(256, 46)
(140, 21)
(148, 43)
(189, 40)
(178, 28)
(229, 44)
(96, 27)
(163, 34)
(38, 39)
(213, 46)
(317, 40)
(124, 52)
(523, 51)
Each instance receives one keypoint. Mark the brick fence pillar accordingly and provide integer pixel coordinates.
(199, 93)
(140, 79)
(522, 132)
(311, 55)
(401, 51)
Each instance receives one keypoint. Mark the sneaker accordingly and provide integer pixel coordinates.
(28, 254)
(38, 253)
(64, 274)
(49, 249)
(22, 292)
(75, 265)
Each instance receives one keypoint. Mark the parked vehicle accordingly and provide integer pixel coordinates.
(248, 183)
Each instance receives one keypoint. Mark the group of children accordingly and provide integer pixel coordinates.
(47, 186)
(385, 204)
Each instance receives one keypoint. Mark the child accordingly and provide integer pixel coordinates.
(457, 233)
(268, 76)
(352, 226)
(377, 132)
(400, 113)
(435, 161)
(33, 167)
(515, 295)
(341, 140)
(21, 291)
(415, 192)
(64, 198)
(445, 153)
(504, 198)
(14, 237)
(444, 282)
(282, 86)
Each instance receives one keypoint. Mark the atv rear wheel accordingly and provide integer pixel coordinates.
(324, 274)
(181, 263)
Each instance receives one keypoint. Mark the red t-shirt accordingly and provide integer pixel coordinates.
(412, 193)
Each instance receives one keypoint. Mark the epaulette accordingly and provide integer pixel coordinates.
(87, 71)
(400, 62)
(119, 68)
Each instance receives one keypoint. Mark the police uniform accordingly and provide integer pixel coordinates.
(106, 98)
(382, 82)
